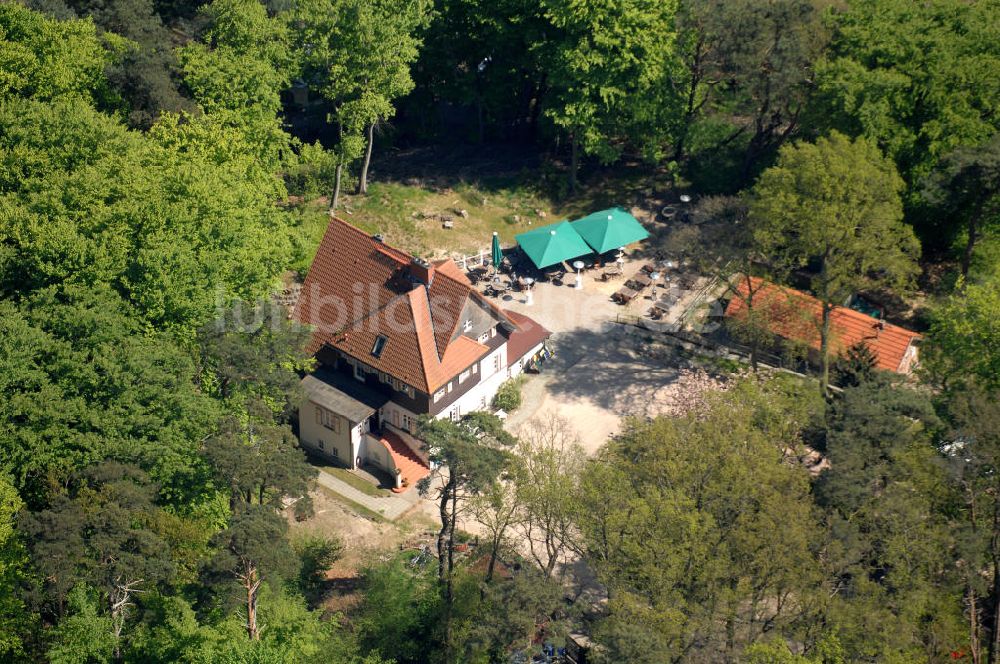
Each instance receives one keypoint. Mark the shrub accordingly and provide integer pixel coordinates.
(508, 397)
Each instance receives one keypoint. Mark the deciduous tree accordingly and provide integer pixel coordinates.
(966, 187)
(836, 204)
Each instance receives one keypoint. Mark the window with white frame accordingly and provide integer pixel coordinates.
(464, 375)
(439, 395)
(327, 419)
(451, 386)
(467, 326)
(493, 332)
(484, 337)
(475, 368)
(359, 371)
(409, 422)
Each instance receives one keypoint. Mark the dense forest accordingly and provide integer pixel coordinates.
(151, 156)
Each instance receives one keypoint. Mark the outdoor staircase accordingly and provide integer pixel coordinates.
(411, 468)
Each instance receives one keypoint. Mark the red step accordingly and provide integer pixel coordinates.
(411, 467)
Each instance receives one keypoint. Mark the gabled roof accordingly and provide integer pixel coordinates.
(359, 288)
(795, 315)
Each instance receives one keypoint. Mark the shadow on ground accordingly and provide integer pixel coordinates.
(611, 367)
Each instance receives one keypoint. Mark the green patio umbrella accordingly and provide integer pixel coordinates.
(497, 254)
(610, 229)
(552, 244)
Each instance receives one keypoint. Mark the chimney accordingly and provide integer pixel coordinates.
(422, 271)
(378, 237)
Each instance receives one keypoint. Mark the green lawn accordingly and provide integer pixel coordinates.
(359, 483)
(410, 216)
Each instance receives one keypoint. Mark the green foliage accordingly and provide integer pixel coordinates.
(85, 636)
(143, 75)
(963, 341)
(316, 555)
(916, 78)
(855, 366)
(965, 188)
(836, 203)
(82, 383)
(183, 230)
(45, 59)
(16, 621)
(692, 521)
(508, 396)
(401, 612)
(748, 73)
(828, 651)
(608, 70)
(100, 533)
(888, 505)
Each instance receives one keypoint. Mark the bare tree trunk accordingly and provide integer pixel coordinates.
(824, 350)
(973, 626)
(120, 599)
(363, 178)
(970, 243)
(691, 107)
(251, 582)
(995, 554)
(493, 556)
(449, 593)
(336, 188)
(442, 541)
(574, 161)
(975, 644)
(754, 340)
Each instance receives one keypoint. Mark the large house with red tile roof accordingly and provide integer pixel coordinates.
(794, 315)
(397, 337)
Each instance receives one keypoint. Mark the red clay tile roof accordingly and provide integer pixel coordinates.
(449, 267)
(527, 335)
(359, 288)
(796, 315)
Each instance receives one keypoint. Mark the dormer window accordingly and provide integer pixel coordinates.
(379, 346)
(468, 325)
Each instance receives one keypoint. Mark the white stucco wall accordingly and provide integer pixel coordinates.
(339, 446)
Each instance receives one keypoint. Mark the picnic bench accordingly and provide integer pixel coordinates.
(624, 295)
(639, 281)
(608, 275)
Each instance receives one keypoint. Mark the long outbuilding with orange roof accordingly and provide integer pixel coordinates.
(798, 316)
